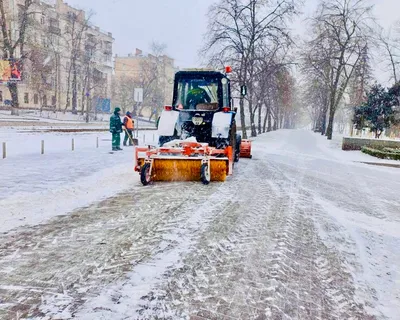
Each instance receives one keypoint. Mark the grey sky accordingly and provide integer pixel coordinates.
(180, 24)
(136, 23)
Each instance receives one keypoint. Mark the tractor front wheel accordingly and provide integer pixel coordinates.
(145, 176)
(205, 176)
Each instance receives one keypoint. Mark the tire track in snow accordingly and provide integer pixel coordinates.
(360, 227)
(261, 259)
(331, 291)
(181, 240)
(62, 263)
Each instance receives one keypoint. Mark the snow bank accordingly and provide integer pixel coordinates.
(34, 187)
(37, 207)
(21, 143)
(35, 118)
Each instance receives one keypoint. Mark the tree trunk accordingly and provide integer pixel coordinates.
(329, 131)
(265, 120)
(276, 122)
(252, 121)
(87, 109)
(13, 88)
(322, 120)
(88, 96)
(83, 97)
(259, 119)
(269, 129)
(74, 90)
(242, 117)
(59, 84)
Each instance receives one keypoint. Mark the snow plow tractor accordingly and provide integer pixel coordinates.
(197, 134)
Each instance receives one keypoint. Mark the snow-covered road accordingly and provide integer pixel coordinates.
(301, 231)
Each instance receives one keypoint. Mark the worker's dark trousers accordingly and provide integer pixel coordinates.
(116, 141)
(128, 133)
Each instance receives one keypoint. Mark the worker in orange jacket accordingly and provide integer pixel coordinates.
(128, 124)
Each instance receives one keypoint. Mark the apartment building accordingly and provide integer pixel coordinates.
(68, 64)
(154, 73)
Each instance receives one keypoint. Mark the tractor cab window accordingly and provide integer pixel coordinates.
(197, 94)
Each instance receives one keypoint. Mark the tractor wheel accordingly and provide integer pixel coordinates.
(237, 150)
(145, 176)
(164, 139)
(233, 141)
(205, 176)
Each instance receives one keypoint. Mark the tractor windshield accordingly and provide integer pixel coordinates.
(197, 94)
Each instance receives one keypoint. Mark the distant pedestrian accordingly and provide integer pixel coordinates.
(116, 129)
(129, 126)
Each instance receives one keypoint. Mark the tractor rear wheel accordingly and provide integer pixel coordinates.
(233, 142)
(237, 150)
(145, 176)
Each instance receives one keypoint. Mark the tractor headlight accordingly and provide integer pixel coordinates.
(197, 121)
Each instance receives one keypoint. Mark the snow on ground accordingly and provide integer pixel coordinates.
(334, 148)
(22, 142)
(301, 231)
(35, 119)
(36, 187)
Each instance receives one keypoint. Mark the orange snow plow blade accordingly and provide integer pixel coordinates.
(245, 149)
(186, 169)
(188, 162)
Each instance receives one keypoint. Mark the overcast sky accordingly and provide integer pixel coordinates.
(180, 24)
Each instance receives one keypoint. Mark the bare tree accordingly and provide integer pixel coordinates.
(272, 64)
(12, 46)
(390, 51)
(42, 69)
(122, 92)
(152, 77)
(317, 76)
(75, 39)
(343, 26)
(236, 32)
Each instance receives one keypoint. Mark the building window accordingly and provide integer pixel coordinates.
(53, 101)
(54, 22)
(35, 98)
(44, 101)
(1, 96)
(26, 97)
(43, 19)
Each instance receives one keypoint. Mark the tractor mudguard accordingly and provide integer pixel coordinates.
(168, 120)
(221, 124)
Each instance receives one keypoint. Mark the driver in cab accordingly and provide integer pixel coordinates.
(196, 96)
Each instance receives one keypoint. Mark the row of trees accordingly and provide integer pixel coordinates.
(333, 63)
(335, 60)
(337, 78)
(253, 37)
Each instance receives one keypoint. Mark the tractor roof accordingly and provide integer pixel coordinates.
(201, 73)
